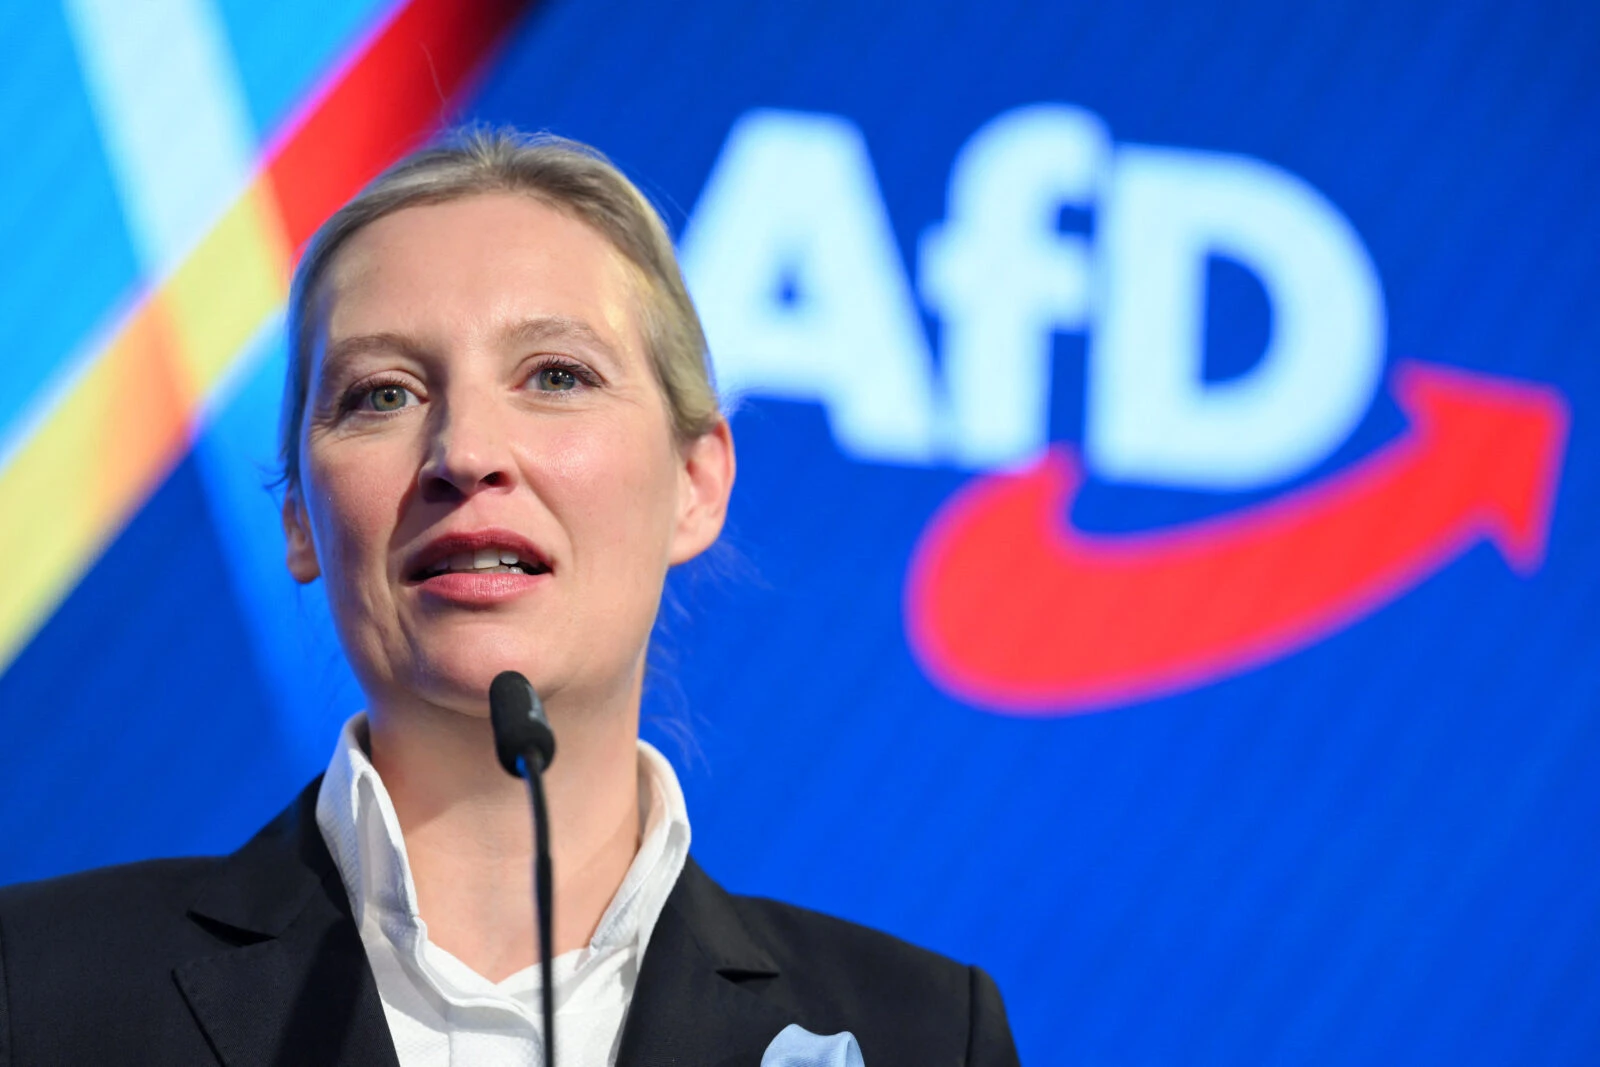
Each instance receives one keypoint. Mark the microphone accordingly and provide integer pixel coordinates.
(526, 745)
(521, 730)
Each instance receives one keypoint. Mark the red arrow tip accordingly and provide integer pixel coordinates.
(1504, 440)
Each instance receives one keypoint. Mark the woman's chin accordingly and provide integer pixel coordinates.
(456, 674)
(466, 689)
(471, 649)
(452, 665)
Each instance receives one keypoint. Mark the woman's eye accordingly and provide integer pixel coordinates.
(389, 397)
(555, 379)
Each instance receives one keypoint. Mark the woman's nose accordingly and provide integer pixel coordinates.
(466, 454)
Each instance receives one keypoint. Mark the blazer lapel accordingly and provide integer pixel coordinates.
(296, 986)
(705, 992)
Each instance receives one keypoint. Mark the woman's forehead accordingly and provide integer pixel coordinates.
(480, 265)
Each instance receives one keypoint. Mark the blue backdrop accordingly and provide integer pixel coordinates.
(1193, 246)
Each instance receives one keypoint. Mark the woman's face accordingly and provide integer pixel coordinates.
(490, 477)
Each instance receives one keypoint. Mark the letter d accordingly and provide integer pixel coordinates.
(1152, 417)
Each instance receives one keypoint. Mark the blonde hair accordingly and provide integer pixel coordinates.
(564, 174)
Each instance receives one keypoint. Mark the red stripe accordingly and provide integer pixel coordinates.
(390, 98)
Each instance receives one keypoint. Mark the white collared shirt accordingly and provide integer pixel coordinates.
(441, 1012)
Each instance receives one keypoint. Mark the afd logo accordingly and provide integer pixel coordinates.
(792, 260)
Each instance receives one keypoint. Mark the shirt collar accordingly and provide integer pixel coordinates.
(358, 822)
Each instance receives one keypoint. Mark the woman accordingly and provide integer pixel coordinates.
(499, 433)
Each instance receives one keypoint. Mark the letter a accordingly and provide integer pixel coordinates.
(792, 263)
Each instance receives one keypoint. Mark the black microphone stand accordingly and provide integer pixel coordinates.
(526, 745)
(543, 897)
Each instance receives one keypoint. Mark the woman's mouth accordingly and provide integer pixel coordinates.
(479, 569)
(484, 561)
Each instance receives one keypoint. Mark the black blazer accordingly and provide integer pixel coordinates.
(254, 959)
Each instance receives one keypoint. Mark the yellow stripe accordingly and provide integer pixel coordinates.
(117, 433)
(226, 288)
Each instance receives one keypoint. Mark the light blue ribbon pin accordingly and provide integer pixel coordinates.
(796, 1046)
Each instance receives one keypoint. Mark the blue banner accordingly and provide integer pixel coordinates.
(1161, 568)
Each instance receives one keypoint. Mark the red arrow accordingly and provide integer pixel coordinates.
(1010, 608)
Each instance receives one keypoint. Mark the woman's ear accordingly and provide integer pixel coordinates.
(705, 480)
(302, 552)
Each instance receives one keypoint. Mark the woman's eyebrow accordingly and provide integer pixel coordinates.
(547, 328)
(535, 331)
(347, 348)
